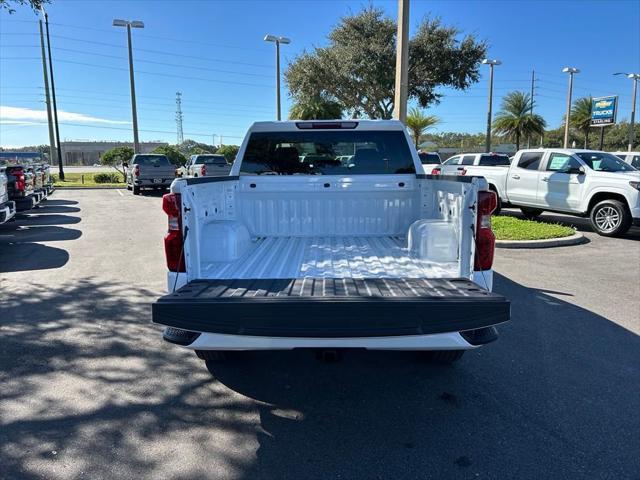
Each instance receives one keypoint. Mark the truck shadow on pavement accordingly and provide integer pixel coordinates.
(90, 390)
(19, 250)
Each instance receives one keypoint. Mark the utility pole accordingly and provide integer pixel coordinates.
(53, 97)
(491, 63)
(179, 117)
(533, 79)
(52, 143)
(570, 71)
(277, 41)
(134, 112)
(402, 63)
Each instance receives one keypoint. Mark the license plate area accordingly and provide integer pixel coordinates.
(157, 180)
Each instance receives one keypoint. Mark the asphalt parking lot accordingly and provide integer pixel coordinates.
(88, 389)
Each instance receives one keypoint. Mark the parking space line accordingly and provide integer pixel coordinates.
(118, 190)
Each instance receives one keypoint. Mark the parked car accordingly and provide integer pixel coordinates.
(207, 165)
(7, 207)
(20, 186)
(585, 183)
(632, 158)
(149, 170)
(429, 158)
(285, 254)
(492, 166)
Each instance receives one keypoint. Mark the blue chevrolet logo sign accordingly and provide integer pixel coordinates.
(603, 111)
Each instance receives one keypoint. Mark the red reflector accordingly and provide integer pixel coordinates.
(485, 239)
(203, 171)
(436, 171)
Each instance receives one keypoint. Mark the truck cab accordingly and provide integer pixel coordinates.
(327, 235)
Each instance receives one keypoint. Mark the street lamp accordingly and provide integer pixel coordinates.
(634, 77)
(134, 114)
(277, 41)
(491, 63)
(570, 71)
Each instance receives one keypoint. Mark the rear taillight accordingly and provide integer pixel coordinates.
(203, 171)
(436, 171)
(173, 240)
(462, 171)
(136, 171)
(485, 239)
(21, 182)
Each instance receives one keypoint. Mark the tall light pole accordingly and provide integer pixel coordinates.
(634, 92)
(402, 63)
(277, 41)
(570, 71)
(491, 63)
(134, 113)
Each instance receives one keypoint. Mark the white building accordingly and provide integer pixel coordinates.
(89, 153)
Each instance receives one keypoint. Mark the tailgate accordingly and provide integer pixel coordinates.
(331, 307)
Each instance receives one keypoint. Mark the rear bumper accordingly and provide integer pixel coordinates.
(7, 211)
(148, 182)
(440, 341)
(270, 309)
(26, 203)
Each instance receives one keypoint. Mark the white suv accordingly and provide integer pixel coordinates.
(632, 158)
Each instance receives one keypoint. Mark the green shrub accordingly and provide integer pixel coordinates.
(111, 177)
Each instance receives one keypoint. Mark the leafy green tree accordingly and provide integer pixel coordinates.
(357, 68)
(191, 147)
(581, 117)
(316, 108)
(115, 157)
(515, 119)
(418, 122)
(229, 152)
(173, 154)
(34, 4)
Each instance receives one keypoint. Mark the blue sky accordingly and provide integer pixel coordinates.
(213, 52)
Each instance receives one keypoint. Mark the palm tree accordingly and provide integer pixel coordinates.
(418, 123)
(515, 119)
(316, 108)
(581, 117)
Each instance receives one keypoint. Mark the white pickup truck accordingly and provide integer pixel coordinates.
(584, 183)
(329, 253)
(492, 166)
(7, 207)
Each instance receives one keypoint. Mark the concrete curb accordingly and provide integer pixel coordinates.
(574, 239)
(90, 188)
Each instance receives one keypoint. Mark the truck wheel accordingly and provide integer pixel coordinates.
(443, 357)
(530, 213)
(213, 356)
(498, 205)
(128, 187)
(610, 218)
(136, 190)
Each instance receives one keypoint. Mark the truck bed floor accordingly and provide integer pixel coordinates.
(329, 257)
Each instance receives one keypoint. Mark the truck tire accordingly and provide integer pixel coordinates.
(531, 213)
(498, 204)
(213, 356)
(610, 218)
(443, 357)
(136, 190)
(128, 187)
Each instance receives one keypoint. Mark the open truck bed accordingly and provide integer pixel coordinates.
(331, 307)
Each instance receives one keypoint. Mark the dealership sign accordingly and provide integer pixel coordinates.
(603, 111)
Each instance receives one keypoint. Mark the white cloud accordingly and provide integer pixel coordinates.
(19, 115)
